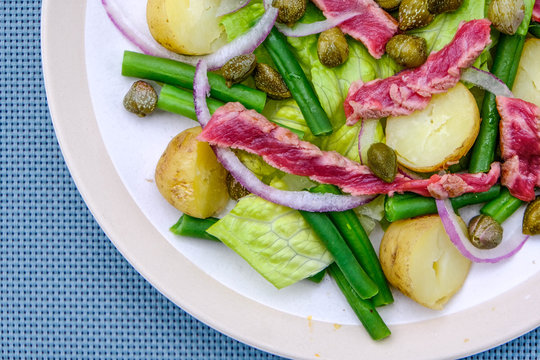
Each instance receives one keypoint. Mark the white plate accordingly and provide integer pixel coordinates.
(111, 156)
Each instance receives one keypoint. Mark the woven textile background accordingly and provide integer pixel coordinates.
(65, 292)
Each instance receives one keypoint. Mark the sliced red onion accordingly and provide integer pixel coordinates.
(408, 173)
(299, 30)
(230, 6)
(201, 90)
(362, 161)
(486, 81)
(132, 24)
(246, 43)
(300, 200)
(508, 247)
(268, 4)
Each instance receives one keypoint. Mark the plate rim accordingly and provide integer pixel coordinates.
(273, 331)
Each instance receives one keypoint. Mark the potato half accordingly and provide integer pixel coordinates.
(189, 176)
(437, 136)
(527, 83)
(419, 259)
(188, 27)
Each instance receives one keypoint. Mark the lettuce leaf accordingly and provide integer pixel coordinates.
(272, 176)
(371, 213)
(442, 30)
(275, 240)
(374, 209)
(345, 139)
(265, 172)
(287, 114)
(332, 84)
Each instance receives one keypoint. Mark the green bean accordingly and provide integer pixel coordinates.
(502, 206)
(343, 256)
(176, 73)
(298, 84)
(505, 66)
(364, 310)
(194, 227)
(404, 206)
(483, 153)
(180, 101)
(354, 234)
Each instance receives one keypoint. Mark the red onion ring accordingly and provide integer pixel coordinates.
(362, 126)
(408, 173)
(135, 30)
(201, 90)
(509, 246)
(230, 6)
(299, 30)
(247, 42)
(486, 81)
(300, 200)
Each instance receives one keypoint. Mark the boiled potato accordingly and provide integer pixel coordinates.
(527, 83)
(189, 176)
(437, 136)
(188, 27)
(419, 259)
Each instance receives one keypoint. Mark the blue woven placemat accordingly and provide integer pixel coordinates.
(65, 292)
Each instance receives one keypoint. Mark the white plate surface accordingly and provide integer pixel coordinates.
(112, 155)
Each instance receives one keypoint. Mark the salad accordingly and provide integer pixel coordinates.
(288, 238)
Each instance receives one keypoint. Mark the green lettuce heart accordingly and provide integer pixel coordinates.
(275, 240)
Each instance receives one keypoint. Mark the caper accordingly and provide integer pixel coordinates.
(141, 98)
(382, 161)
(267, 79)
(332, 47)
(531, 218)
(441, 6)
(236, 190)
(484, 232)
(388, 4)
(407, 50)
(290, 11)
(238, 68)
(506, 15)
(414, 14)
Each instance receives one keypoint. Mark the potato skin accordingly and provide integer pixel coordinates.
(189, 176)
(419, 259)
(188, 27)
